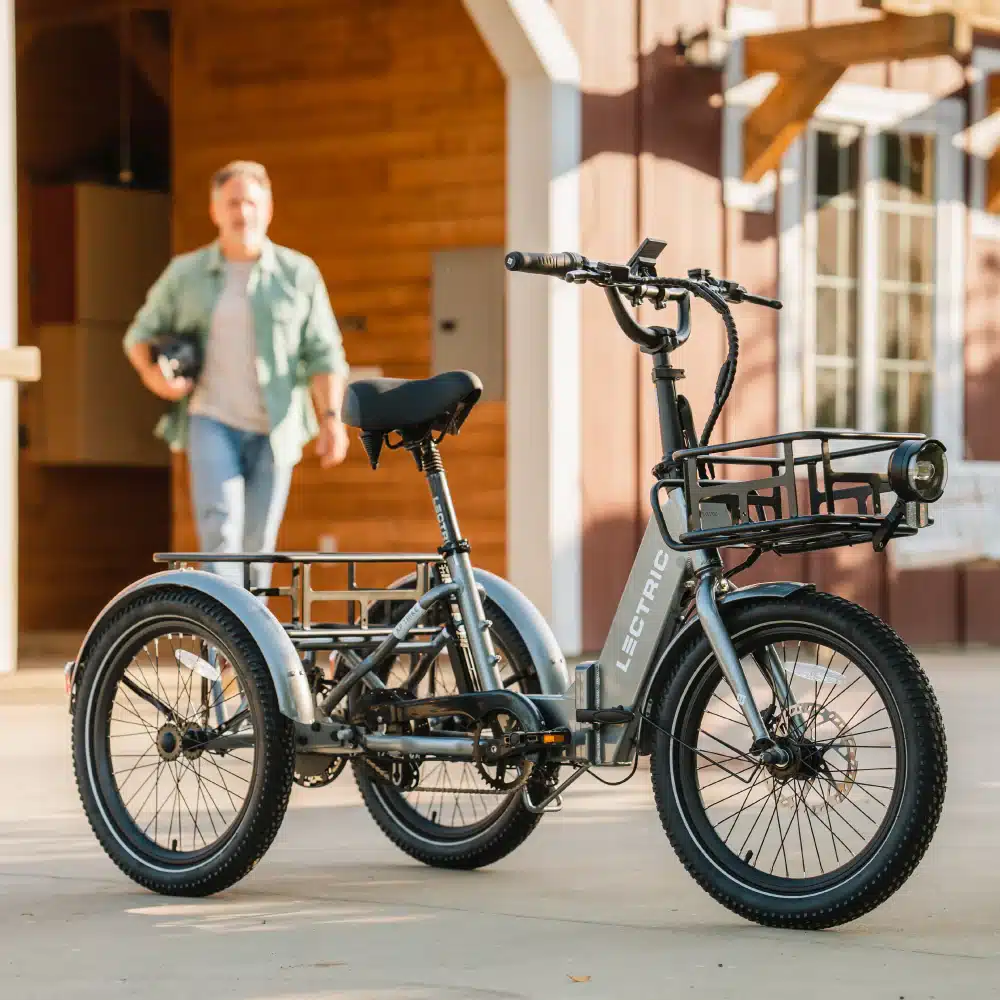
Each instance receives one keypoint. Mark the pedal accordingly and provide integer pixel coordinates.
(520, 742)
(605, 716)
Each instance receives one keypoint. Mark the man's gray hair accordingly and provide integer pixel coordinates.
(241, 168)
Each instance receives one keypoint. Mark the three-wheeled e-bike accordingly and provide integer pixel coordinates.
(797, 752)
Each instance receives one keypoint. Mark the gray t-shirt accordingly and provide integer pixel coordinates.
(228, 389)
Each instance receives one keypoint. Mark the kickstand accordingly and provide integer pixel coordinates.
(555, 796)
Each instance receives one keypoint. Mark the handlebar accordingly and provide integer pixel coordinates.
(760, 300)
(643, 286)
(556, 265)
(637, 281)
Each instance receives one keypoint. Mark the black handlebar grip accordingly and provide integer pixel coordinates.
(557, 265)
(759, 300)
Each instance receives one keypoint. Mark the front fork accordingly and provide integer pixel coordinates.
(708, 570)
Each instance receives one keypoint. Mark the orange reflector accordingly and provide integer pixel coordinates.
(554, 738)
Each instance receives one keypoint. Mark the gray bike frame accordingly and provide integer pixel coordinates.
(668, 593)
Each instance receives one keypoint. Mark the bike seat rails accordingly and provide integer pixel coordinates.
(797, 754)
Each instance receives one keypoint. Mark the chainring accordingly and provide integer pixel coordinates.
(318, 778)
(495, 774)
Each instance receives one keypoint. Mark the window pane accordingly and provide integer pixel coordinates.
(836, 243)
(835, 397)
(891, 263)
(918, 419)
(889, 326)
(920, 327)
(848, 320)
(906, 235)
(888, 401)
(826, 321)
(919, 249)
(906, 168)
(834, 201)
(836, 166)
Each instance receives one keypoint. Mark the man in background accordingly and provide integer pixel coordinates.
(273, 372)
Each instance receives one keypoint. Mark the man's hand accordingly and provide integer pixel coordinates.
(332, 444)
(166, 387)
(169, 388)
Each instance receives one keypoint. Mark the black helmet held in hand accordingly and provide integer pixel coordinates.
(179, 355)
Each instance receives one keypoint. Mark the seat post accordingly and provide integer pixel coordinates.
(456, 550)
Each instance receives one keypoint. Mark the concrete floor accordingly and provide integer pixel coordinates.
(335, 911)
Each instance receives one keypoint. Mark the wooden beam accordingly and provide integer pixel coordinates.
(149, 53)
(981, 14)
(892, 37)
(41, 15)
(772, 126)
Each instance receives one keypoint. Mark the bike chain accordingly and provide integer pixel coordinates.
(450, 791)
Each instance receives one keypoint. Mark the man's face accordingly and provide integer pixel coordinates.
(241, 209)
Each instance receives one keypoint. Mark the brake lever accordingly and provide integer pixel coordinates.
(581, 275)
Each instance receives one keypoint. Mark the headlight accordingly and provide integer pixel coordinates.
(918, 470)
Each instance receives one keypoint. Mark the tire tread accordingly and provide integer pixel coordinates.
(929, 758)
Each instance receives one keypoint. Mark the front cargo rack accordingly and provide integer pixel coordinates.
(786, 512)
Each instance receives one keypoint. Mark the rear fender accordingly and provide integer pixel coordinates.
(290, 683)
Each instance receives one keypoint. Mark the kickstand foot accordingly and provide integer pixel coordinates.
(552, 797)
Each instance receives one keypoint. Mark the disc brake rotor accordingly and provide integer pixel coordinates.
(839, 755)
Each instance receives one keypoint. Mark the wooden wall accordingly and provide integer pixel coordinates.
(83, 533)
(652, 152)
(381, 123)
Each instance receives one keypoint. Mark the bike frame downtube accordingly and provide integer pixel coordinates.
(459, 564)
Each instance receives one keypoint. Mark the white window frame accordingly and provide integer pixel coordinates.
(967, 519)
(873, 109)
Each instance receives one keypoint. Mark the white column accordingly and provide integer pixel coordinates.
(544, 514)
(8, 341)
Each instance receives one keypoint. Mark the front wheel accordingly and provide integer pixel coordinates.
(840, 828)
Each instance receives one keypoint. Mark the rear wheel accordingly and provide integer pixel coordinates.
(836, 832)
(448, 813)
(182, 759)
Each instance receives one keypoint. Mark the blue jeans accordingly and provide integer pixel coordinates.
(238, 494)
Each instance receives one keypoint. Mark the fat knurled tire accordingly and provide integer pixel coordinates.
(921, 800)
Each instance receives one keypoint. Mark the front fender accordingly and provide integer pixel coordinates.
(290, 682)
(543, 647)
(664, 662)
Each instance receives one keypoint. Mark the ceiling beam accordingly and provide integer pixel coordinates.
(809, 61)
(149, 52)
(853, 43)
(981, 14)
(774, 124)
(41, 15)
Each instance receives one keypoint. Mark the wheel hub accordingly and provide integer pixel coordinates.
(809, 763)
(169, 742)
